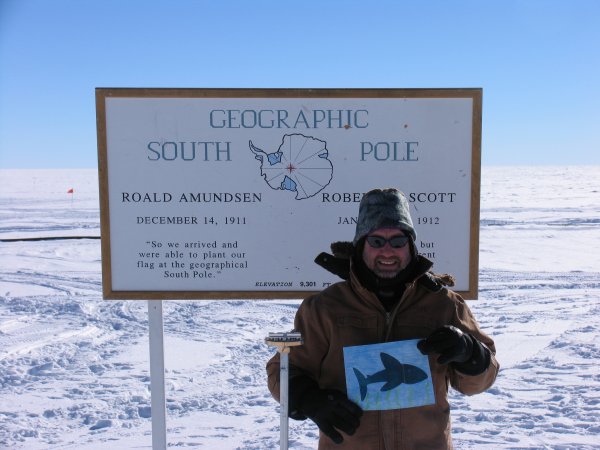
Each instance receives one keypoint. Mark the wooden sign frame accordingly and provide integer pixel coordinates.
(403, 128)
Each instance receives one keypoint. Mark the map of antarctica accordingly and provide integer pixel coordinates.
(299, 165)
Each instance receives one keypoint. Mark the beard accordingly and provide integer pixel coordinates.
(386, 274)
(383, 271)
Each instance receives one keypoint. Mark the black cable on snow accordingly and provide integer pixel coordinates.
(48, 238)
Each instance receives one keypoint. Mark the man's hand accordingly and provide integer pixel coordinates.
(452, 344)
(462, 350)
(328, 408)
(331, 411)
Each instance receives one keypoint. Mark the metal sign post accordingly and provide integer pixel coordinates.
(284, 342)
(157, 376)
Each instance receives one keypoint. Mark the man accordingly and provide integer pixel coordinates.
(388, 295)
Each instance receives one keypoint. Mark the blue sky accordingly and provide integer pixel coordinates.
(537, 61)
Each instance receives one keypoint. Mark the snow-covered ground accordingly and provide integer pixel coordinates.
(74, 369)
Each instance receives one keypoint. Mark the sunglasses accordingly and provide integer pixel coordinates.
(395, 242)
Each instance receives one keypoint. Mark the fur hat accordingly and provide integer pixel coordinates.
(381, 208)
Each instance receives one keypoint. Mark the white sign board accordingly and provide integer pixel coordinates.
(232, 193)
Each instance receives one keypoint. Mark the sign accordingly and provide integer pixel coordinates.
(232, 193)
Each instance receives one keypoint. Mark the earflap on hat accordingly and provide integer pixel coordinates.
(381, 208)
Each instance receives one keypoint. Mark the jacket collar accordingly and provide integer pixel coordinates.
(340, 261)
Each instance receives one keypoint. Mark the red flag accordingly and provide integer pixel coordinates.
(70, 191)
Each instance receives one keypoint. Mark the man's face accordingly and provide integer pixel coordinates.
(387, 261)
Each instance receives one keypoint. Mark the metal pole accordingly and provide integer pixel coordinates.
(157, 376)
(284, 397)
(283, 342)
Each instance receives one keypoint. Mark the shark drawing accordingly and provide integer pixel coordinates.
(393, 374)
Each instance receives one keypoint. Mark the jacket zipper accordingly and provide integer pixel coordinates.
(389, 319)
(390, 316)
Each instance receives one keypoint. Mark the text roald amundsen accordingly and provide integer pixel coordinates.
(191, 197)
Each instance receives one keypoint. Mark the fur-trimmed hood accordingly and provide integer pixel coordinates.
(338, 263)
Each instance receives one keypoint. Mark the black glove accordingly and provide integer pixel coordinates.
(462, 350)
(329, 409)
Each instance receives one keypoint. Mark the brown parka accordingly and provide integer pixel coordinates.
(347, 314)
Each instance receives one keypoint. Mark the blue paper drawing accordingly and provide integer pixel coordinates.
(392, 375)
